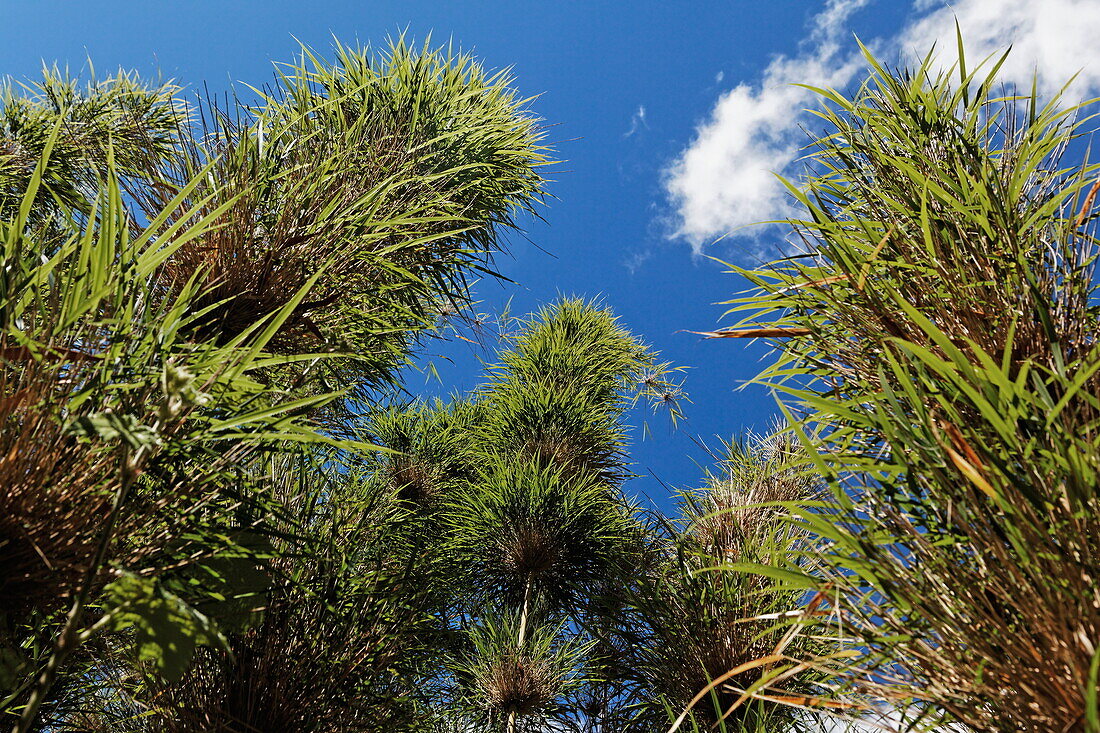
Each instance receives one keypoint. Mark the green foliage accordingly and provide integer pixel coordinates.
(86, 346)
(517, 492)
(119, 124)
(166, 630)
(110, 427)
(344, 632)
(518, 525)
(433, 448)
(159, 281)
(391, 175)
(576, 347)
(947, 319)
(112, 417)
(559, 391)
(529, 680)
(707, 638)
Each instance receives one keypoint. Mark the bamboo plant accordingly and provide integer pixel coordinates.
(938, 342)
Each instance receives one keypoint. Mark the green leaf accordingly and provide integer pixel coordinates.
(14, 666)
(788, 578)
(110, 426)
(166, 629)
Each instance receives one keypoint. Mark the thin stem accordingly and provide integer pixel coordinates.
(521, 640)
(523, 615)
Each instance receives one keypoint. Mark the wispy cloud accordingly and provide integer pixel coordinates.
(725, 181)
(635, 260)
(637, 121)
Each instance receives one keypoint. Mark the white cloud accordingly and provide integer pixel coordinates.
(724, 181)
(1053, 38)
(637, 121)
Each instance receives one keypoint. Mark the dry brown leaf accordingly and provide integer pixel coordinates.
(752, 333)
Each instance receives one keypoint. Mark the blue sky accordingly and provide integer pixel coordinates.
(668, 117)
